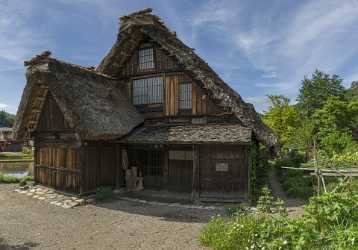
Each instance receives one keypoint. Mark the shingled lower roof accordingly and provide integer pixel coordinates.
(90, 102)
(135, 27)
(189, 134)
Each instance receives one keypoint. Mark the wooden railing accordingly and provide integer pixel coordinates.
(58, 177)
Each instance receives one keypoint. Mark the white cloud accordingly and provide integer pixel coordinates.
(287, 44)
(261, 103)
(3, 106)
(18, 41)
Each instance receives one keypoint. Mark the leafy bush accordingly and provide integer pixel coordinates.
(330, 222)
(294, 182)
(235, 211)
(268, 204)
(104, 193)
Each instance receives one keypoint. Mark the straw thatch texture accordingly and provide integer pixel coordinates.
(91, 102)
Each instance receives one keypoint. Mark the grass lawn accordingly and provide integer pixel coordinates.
(15, 157)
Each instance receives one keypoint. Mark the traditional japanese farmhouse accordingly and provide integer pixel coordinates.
(152, 105)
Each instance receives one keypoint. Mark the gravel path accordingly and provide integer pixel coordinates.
(26, 223)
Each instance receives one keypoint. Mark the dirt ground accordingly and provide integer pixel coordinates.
(294, 206)
(27, 223)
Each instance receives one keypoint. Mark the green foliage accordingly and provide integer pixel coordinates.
(12, 179)
(236, 211)
(298, 185)
(15, 157)
(352, 93)
(266, 200)
(336, 114)
(9, 179)
(282, 118)
(295, 183)
(259, 170)
(314, 92)
(330, 222)
(304, 136)
(6, 119)
(104, 193)
(337, 142)
(268, 204)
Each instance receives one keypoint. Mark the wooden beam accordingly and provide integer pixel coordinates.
(195, 181)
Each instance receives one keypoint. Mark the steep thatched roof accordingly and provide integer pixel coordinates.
(135, 27)
(90, 101)
(187, 134)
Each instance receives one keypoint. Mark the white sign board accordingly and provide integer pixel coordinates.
(222, 166)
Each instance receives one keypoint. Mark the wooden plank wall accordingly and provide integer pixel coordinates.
(200, 104)
(51, 117)
(199, 101)
(58, 167)
(102, 166)
(171, 95)
(233, 181)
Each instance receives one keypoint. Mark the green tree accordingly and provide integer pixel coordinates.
(6, 119)
(352, 92)
(336, 114)
(282, 117)
(314, 92)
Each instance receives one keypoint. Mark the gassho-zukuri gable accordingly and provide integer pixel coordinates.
(152, 115)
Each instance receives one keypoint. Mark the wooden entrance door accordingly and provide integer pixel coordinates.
(152, 169)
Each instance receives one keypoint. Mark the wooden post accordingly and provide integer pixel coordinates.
(36, 162)
(82, 167)
(166, 168)
(195, 181)
(118, 165)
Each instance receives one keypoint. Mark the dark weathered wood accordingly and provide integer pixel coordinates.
(195, 185)
(223, 171)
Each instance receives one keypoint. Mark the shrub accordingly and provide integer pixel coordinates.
(235, 211)
(294, 182)
(330, 222)
(104, 193)
(268, 204)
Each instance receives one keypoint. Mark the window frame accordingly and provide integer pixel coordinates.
(185, 110)
(139, 69)
(146, 103)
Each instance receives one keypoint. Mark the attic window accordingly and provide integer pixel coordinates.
(146, 59)
(185, 96)
(148, 91)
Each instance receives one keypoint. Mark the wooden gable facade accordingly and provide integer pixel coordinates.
(180, 94)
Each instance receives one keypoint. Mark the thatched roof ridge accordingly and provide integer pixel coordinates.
(134, 32)
(90, 101)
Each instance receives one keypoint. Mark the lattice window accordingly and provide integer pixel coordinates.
(148, 91)
(146, 59)
(153, 164)
(185, 96)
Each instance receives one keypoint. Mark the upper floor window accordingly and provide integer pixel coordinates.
(146, 59)
(148, 91)
(185, 96)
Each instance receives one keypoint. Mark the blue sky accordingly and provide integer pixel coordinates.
(258, 47)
